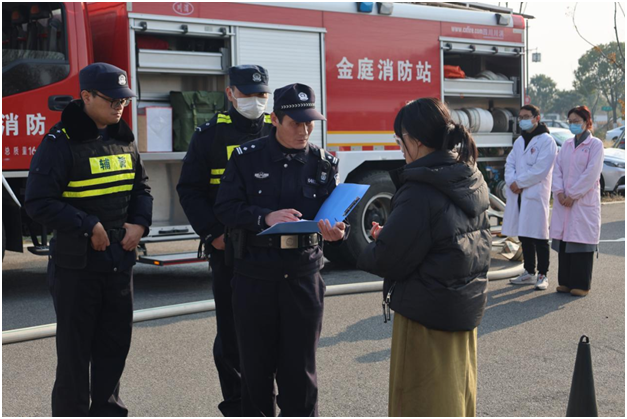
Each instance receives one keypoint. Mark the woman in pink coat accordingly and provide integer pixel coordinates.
(576, 221)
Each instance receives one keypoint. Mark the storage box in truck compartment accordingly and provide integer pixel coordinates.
(154, 129)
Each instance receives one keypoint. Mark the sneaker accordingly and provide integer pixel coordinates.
(542, 283)
(525, 279)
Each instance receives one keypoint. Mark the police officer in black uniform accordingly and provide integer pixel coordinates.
(87, 182)
(203, 167)
(277, 287)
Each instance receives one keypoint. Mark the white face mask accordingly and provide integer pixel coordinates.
(251, 107)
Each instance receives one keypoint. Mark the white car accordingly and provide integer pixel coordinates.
(560, 135)
(613, 173)
(614, 134)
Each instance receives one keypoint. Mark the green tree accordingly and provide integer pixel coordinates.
(542, 91)
(596, 73)
(566, 100)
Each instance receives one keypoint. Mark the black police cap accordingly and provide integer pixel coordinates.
(107, 79)
(298, 101)
(249, 79)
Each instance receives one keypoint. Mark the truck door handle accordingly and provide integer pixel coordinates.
(58, 103)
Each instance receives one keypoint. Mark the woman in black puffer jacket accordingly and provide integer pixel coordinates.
(434, 254)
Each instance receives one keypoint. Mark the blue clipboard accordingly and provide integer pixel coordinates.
(336, 208)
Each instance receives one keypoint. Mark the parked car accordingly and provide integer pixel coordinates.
(614, 134)
(560, 135)
(620, 141)
(554, 123)
(613, 173)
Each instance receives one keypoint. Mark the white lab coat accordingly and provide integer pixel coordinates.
(532, 169)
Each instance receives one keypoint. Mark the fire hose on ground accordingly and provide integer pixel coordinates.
(49, 330)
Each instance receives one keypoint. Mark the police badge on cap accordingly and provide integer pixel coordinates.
(298, 101)
(107, 79)
(249, 79)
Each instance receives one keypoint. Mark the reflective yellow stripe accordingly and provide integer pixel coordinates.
(114, 163)
(98, 192)
(268, 119)
(106, 179)
(65, 132)
(214, 181)
(229, 151)
(217, 171)
(224, 119)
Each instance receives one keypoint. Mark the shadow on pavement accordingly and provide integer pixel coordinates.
(505, 309)
(367, 329)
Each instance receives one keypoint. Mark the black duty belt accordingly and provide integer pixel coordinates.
(116, 234)
(286, 241)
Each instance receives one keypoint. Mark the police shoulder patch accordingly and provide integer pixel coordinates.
(327, 156)
(56, 132)
(331, 158)
(205, 126)
(251, 146)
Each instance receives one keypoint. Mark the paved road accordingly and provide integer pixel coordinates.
(527, 343)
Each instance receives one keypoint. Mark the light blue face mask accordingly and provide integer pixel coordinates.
(575, 128)
(525, 124)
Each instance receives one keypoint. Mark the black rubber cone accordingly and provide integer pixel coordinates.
(582, 401)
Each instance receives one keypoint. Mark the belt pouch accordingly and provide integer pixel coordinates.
(70, 251)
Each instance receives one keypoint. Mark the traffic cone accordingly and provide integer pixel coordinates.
(582, 401)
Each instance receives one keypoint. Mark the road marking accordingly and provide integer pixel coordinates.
(613, 241)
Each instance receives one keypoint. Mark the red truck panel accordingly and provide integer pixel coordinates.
(403, 56)
(234, 11)
(26, 117)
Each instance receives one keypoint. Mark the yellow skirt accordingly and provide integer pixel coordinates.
(432, 372)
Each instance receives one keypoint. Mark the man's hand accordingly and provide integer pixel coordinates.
(332, 234)
(99, 238)
(282, 216)
(218, 243)
(568, 202)
(133, 235)
(561, 198)
(514, 187)
(376, 229)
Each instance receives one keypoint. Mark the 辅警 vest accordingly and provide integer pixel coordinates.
(101, 178)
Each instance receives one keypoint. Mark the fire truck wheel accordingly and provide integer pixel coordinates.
(375, 206)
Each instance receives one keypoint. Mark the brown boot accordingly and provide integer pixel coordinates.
(579, 293)
(562, 288)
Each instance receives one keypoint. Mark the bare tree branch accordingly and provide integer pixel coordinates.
(577, 29)
(618, 40)
(596, 48)
(621, 8)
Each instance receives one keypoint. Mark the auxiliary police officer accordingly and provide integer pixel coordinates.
(203, 167)
(277, 287)
(87, 182)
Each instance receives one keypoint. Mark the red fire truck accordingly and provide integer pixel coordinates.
(364, 61)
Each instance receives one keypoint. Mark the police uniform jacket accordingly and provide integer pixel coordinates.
(209, 151)
(78, 178)
(260, 179)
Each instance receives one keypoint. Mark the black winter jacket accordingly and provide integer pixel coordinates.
(434, 250)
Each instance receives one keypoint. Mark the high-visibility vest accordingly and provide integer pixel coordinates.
(102, 178)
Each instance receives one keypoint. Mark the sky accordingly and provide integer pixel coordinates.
(553, 34)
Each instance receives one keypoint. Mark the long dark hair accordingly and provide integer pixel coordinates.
(429, 121)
